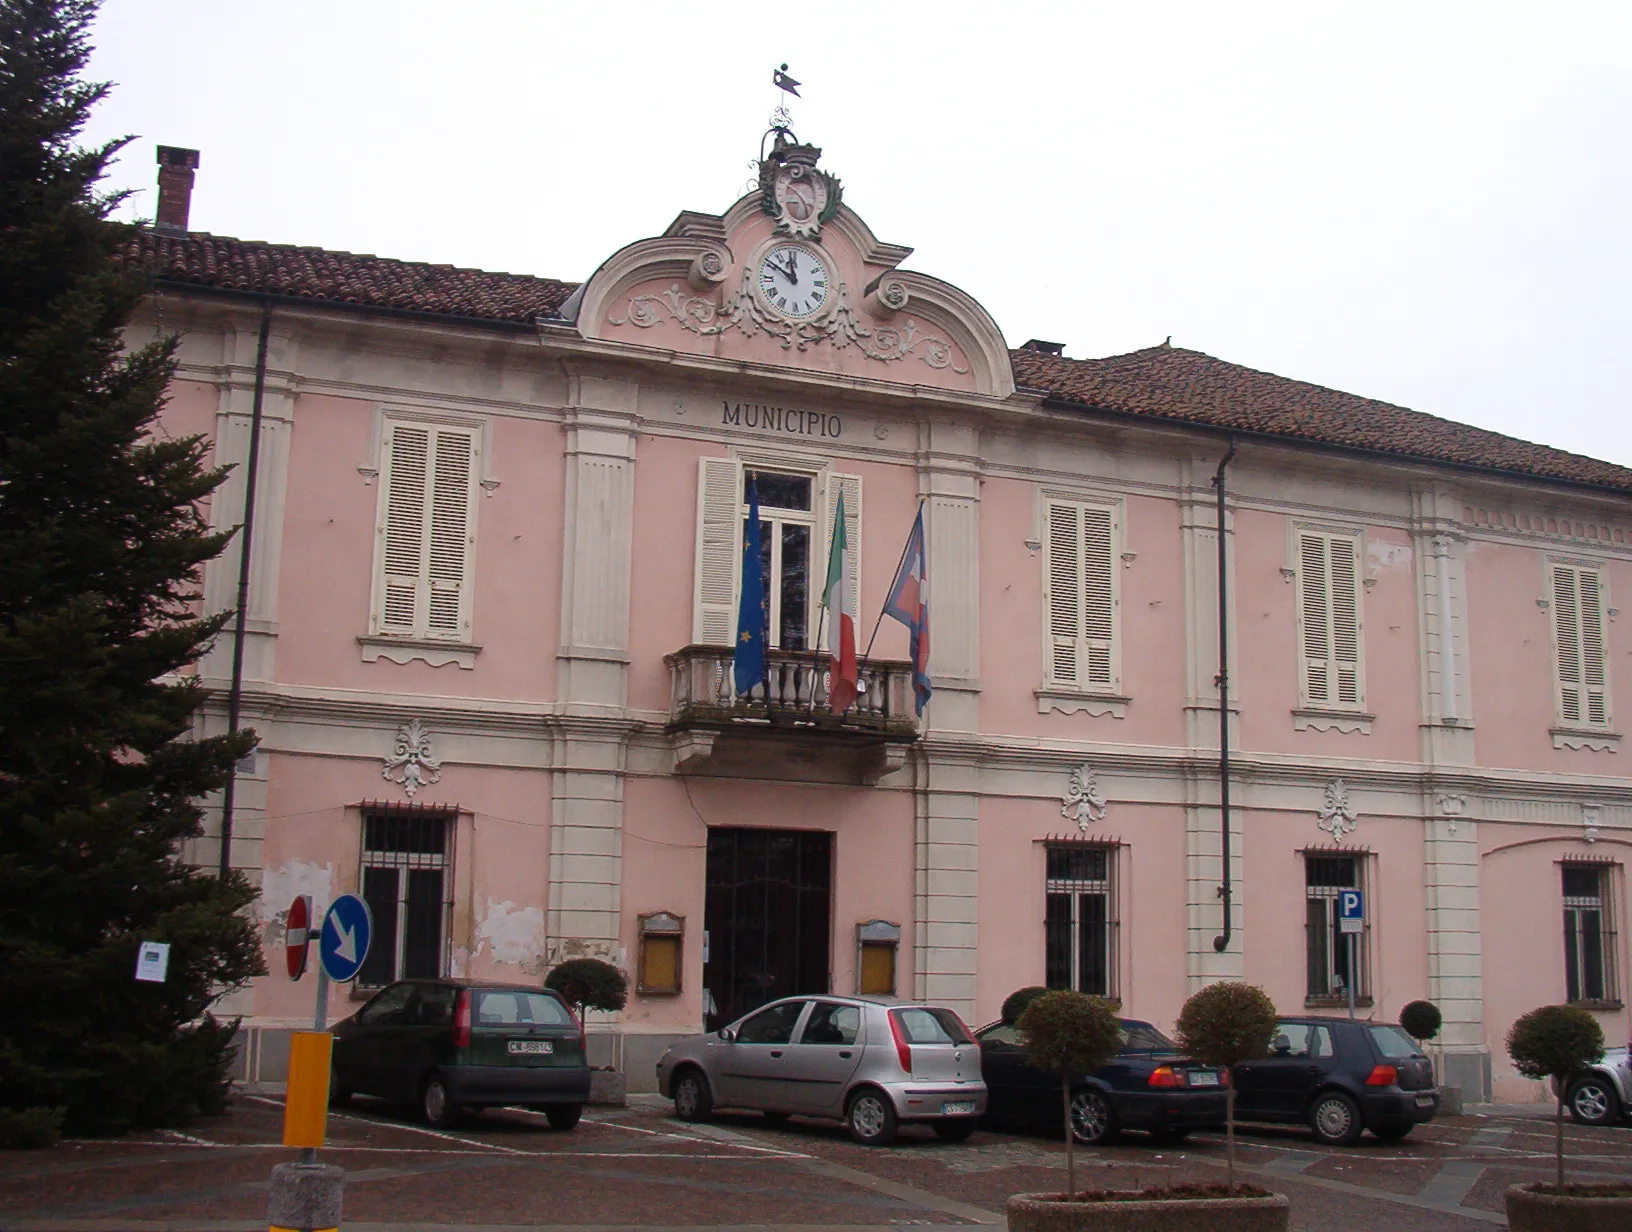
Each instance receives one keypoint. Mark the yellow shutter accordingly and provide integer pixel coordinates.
(1080, 595)
(1330, 629)
(427, 531)
(719, 540)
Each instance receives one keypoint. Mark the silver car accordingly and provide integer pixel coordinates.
(869, 1063)
(1601, 1094)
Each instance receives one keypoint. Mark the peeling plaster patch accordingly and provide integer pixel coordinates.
(280, 885)
(513, 935)
(1388, 555)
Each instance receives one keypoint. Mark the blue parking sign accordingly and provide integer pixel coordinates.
(343, 942)
(1351, 911)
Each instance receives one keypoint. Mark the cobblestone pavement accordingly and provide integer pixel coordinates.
(637, 1167)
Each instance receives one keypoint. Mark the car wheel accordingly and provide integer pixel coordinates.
(438, 1109)
(1335, 1118)
(693, 1101)
(1592, 1102)
(563, 1116)
(1392, 1133)
(1093, 1121)
(870, 1118)
(956, 1129)
(339, 1093)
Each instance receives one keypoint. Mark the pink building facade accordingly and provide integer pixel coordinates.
(493, 593)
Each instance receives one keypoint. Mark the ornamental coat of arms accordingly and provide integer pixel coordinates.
(797, 195)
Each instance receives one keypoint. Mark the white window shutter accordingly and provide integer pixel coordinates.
(1315, 613)
(719, 550)
(452, 533)
(1064, 594)
(1345, 608)
(1567, 640)
(1098, 658)
(1593, 676)
(850, 487)
(401, 586)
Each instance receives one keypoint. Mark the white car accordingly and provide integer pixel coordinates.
(1601, 1094)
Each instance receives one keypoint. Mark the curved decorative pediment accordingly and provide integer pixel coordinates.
(790, 276)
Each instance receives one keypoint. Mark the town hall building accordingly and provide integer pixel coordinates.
(496, 557)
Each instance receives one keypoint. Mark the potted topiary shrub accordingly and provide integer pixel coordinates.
(1224, 1025)
(1556, 1041)
(1015, 1003)
(592, 984)
(1421, 1020)
(1068, 1034)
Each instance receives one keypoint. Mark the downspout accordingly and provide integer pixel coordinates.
(235, 694)
(1221, 941)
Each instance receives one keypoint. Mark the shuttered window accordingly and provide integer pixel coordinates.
(1080, 596)
(1329, 626)
(720, 509)
(426, 532)
(1578, 639)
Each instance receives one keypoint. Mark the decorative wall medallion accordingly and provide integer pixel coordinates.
(1084, 799)
(1589, 822)
(839, 326)
(411, 759)
(1452, 804)
(1337, 816)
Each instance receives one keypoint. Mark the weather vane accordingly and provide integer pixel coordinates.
(780, 79)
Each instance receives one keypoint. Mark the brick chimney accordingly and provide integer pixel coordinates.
(176, 167)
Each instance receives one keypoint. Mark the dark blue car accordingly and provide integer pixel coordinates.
(1150, 1086)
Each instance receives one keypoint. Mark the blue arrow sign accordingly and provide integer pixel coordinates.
(343, 944)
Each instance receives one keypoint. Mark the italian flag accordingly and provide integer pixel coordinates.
(839, 600)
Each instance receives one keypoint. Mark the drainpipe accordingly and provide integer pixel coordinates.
(235, 695)
(1221, 941)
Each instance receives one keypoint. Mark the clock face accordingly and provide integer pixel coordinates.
(793, 280)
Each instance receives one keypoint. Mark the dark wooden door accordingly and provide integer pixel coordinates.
(768, 913)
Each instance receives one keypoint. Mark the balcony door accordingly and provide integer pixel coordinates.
(768, 916)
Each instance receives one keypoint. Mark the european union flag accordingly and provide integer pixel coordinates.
(753, 611)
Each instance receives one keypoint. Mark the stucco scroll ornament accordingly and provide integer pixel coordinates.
(1084, 799)
(1337, 816)
(411, 763)
(1589, 822)
(1452, 804)
(742, 310)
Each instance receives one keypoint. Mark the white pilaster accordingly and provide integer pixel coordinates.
(947, 859)
(1440, 551)
(1455, 966)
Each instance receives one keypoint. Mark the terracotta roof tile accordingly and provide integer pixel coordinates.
(347, 278)
(1162, 382)
(1166, 382)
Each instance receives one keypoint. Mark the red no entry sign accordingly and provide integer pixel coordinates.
(295, 934)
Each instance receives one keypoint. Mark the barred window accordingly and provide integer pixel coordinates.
(1081, 921)
(1330, 966)
(407, 884)
(1589, 934)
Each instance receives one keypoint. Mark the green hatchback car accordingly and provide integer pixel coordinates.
(448, 1045)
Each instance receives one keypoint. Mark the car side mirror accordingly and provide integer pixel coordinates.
(727, 1035)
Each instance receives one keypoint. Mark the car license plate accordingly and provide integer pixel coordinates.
(964, 1107)
(1425, 1101)
(1203, 1078)
(531, 1046)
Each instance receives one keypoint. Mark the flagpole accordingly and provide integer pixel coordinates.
(905, 548)
(816, 653)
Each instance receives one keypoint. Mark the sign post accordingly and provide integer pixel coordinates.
(1351, 921)
(307, 1194)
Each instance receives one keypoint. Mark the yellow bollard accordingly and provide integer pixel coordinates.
(306, 1106)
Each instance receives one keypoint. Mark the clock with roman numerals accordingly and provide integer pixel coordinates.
(793, 281)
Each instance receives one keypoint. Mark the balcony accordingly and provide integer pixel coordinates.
(784, 728)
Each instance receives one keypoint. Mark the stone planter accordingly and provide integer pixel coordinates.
(607, 1088)
(1048, 1213)
(1579, 1211)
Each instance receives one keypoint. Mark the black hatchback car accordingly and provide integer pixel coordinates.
(1150, 1086)
(1340, 1077)
(447, 1045)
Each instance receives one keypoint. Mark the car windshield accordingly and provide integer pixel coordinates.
(1393, 1042)
(519, 1007)
(1142, 1037)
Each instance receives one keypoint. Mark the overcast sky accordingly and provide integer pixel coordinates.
(1428, 203)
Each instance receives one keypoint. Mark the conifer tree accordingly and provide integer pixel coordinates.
(101, 547)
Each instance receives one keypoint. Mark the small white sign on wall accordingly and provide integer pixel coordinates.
(153, 961)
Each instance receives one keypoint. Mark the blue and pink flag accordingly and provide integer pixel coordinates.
(909, 603)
